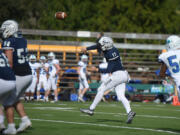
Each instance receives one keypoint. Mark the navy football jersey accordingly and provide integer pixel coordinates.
(114, 61)
(112, 57)
(20, 60)
(6, 72)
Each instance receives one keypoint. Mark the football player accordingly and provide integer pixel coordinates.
(8, 87)
(118, 76)
(83, 83)
(54, 70)
(34, 69)
(15, 48)
(170, 60)
(42, 78)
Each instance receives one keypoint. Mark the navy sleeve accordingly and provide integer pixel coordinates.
(93, 47)
(7, 44)
(103, 70)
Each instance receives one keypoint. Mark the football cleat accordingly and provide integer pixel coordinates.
(24, 125)
(131, 115)
(80, 99)
(2, 127)
(87, 111)
(9, 131)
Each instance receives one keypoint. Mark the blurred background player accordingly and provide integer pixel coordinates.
(54, 70)
(34, 69)
(118, 76)
(15, 48)
(43, 78)
(8, 85)
(83, 83)
(170, 60)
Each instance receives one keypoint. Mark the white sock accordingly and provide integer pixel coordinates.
(27, 97)
(81, 96)
(97, 99)
(1, 118)
(11, 125)
(56, 98)
(126, 104)
(24, 119)
(46, 98)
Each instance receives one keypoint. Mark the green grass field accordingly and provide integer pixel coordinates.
(64, 118)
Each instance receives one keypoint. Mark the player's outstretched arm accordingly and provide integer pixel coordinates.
(93, 47)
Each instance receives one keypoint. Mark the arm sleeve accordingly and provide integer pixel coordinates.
(7, 44)
(55, 61)
(93, 47)
(160, 59)
(101, 70)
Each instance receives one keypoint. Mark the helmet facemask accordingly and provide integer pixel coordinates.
(51, 56)
(106, 43)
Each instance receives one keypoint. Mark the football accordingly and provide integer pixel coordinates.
(60, 15)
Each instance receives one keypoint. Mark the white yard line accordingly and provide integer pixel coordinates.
(108, 113)
(105, 125)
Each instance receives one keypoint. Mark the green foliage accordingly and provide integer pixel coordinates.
(141, 16)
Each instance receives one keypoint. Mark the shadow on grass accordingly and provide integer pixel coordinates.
(109, 120)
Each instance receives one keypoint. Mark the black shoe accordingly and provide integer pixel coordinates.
(131, 115)
(87, 111)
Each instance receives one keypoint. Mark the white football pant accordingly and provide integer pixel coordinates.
(117, 81)
(7, 87)
(52, 83)
(83, 83)
(32, 87)
(42, 83)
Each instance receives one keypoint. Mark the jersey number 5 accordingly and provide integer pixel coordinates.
(173, 64)
(21, 55)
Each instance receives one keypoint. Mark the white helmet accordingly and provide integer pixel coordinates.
(172, 42)
(106, 43)
(32, 58)
(43, 58)
(51, 56)
(84, 58)
(9, 28)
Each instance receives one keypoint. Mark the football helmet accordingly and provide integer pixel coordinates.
(9, 28)
(43, 59)
(84, 58)
(106, 43)
(32, 58)
(51, 56)
(172, 42)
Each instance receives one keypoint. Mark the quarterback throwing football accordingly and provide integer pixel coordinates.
(118, 76)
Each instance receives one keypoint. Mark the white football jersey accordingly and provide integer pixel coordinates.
(34, 67)
(52, 68)
(104, 76)
(83, 69)
(172, 61)
(42, 71)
